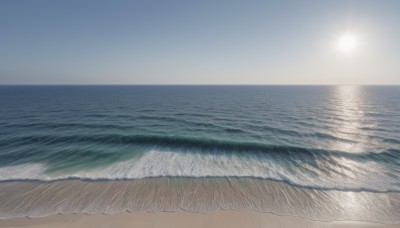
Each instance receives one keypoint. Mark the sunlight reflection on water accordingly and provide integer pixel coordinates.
(349, 103)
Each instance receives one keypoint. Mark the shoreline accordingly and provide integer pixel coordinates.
(199, 196)
(221, 218)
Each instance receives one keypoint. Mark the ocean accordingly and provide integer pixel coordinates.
(320, 152)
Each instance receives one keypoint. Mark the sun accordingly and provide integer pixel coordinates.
(347, 43)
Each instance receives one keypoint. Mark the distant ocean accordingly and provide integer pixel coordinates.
(319, 152)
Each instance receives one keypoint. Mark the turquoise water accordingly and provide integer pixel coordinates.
(319, 137)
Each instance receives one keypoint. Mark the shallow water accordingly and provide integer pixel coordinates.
(320, 138)
(201, 195)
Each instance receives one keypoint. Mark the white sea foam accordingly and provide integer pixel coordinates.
(24, 172)
(156, 163)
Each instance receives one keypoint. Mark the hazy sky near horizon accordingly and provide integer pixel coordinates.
(198, 42)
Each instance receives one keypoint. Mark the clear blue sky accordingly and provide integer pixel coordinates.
(198, 42)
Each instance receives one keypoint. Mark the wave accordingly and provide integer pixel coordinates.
(47, 179)
(123, 157)
(346, 172)
(58, 150)
(200, 144)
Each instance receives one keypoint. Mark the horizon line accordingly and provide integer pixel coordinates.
(183, 84)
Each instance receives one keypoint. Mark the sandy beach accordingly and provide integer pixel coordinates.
(227, 218)
(95, 204)
(199, 114)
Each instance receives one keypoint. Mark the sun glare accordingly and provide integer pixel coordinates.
(347, 43)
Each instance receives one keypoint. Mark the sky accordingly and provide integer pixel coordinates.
(198, 42)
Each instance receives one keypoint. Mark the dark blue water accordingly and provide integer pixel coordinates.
(322, 137)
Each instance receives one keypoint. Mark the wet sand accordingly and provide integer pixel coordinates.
(228, 218)
(190, 202)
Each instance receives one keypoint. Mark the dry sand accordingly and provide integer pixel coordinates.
(229, 219)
